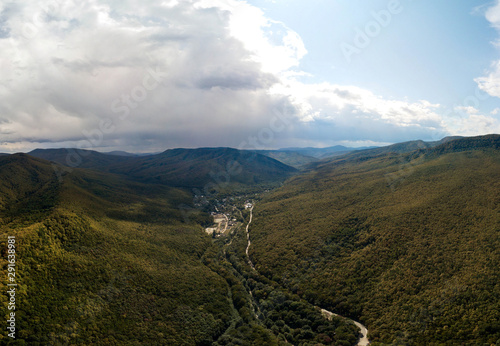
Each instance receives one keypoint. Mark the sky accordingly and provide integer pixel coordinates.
(145, 76)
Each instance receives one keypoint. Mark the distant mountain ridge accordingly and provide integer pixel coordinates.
(80, 158)
(300, 157)
(467, 143)
(290, 158)
(126, 153)
(397, 148)
(190, 168)
(324, 152)
(400, 148)
(199, 167)
(120, 153)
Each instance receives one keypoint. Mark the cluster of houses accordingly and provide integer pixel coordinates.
(220, 218)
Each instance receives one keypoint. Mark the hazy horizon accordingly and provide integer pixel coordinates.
(193, 148)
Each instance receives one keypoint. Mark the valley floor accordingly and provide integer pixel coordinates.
(327, 315)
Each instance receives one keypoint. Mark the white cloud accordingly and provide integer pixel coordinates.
(276, 47)
(491, 82)
(63, 72)
(493, 15)
(474, 125)
(468, 121)
(177, 74)
(348, 106)
(469, 110)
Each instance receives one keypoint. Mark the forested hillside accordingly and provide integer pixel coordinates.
(218, 169)
(408, 243)
(103, 260)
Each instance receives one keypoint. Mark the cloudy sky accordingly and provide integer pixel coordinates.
(144, 76)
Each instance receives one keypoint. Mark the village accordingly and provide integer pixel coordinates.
(227, 215)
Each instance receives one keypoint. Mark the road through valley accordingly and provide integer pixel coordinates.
(363, 341)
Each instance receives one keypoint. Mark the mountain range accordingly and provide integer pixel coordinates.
(112, 249)
(294, 157)
(189, 168)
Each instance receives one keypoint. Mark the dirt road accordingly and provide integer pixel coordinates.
(363, 341)
(248, 239)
